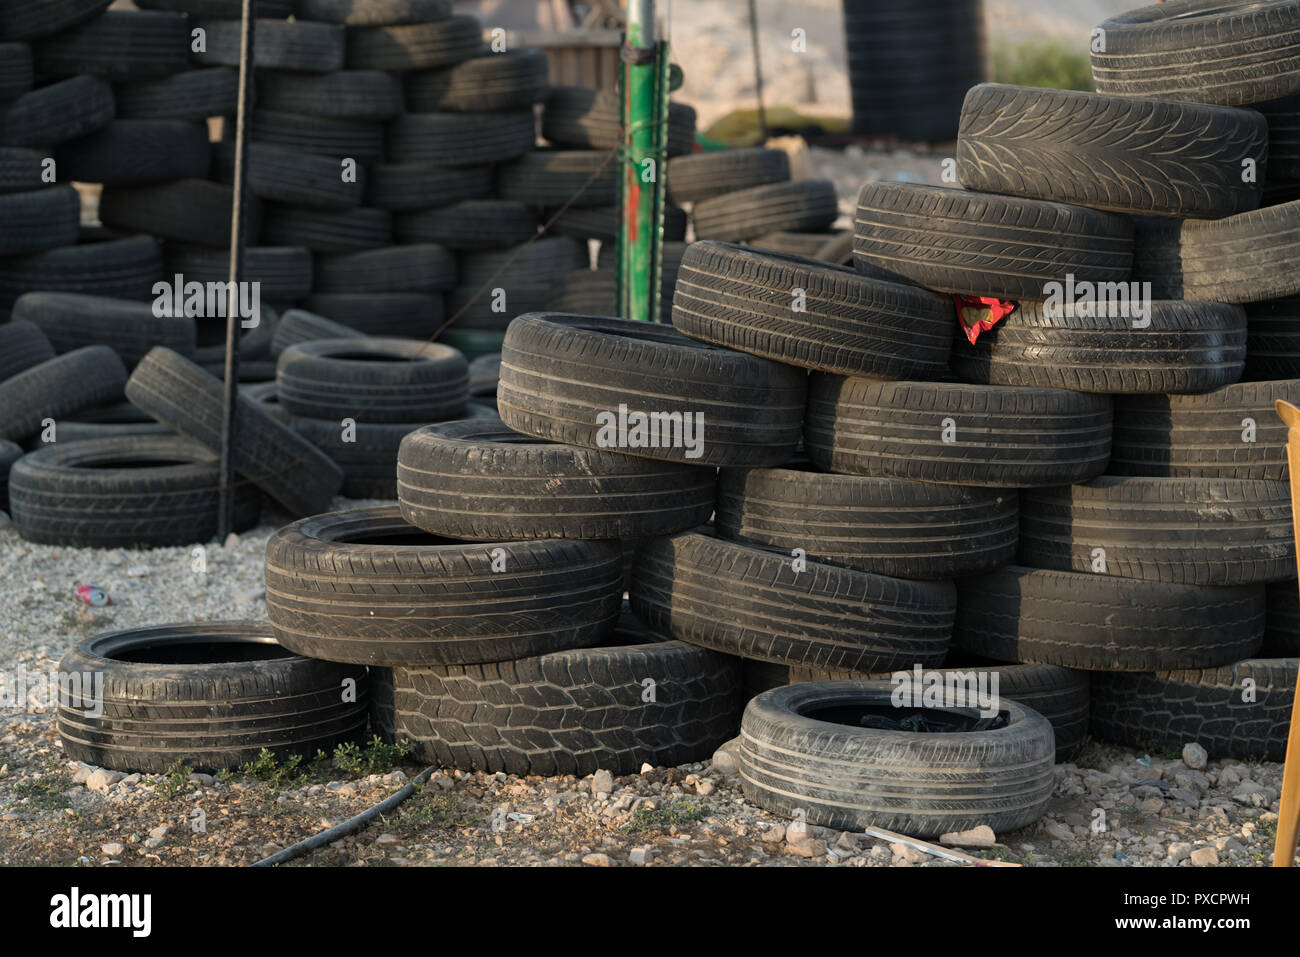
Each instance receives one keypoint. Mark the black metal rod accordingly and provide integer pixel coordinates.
(226, 512)
(758, 68)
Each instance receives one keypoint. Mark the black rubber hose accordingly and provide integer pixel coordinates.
(348, 826)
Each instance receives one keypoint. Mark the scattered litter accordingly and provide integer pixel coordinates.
(93, 595)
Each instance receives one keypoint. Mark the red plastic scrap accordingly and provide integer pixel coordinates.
(979, 313)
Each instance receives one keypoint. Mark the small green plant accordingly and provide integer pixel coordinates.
(46, 793)
(176, 779)
(1075, 860)
(439, 810)
(266, 767)
(1052, 65)
(1266, 830)
(660, 819)
(375, 758)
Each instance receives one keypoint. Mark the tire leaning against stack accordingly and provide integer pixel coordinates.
(82, 379)
(1105, 623)
(752, 602)
(209, 695)
(994, 436)
(481, 481)
(323, 576)
(801, 750)
(22, 345)
(559, 372)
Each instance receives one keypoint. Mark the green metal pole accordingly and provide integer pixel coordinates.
(644, 92)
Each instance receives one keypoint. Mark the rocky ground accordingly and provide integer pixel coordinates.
(1113, 807)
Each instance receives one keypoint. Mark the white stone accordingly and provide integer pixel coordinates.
(981, 836)
(602, 782)
(102, 779)
(597, 860)
(1195, 756)
(1205, 857)
(796, 832)
(113, 849)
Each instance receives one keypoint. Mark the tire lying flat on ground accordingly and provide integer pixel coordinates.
(833, 321)
(1128, 155)
(1176, 347)
(127, 492)
(559, 373)
(373, 380)
(285, 466)
(211, 695)
(481, 481)
(752, 602)
(576, 711)
(76, 380)
(959, 241)
(1209, 707)
(1196, 531)
(1234, 54)
(995, 436)
(887, 526)
(802, 748)
(364, 586)
(1231, 432)
(1105, 623)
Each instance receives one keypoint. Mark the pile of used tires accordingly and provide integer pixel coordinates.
(803, 486)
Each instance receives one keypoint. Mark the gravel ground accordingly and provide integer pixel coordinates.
(1114, 807)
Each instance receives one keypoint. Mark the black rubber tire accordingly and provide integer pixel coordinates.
(1246, 258)
(58, 387)
(472, 225)
(299, 325)
(476, 311)
(1282, 622)
(795, 763)
(1110, 152)
(416, 46)
(221, 9)
(460, 139)
(578, 117)
(279, 45)
(1283, 118)
(1105, 623)
(480, 481)
(1235, 54)
(796, 244)
(573, 712)
(549, 178)
(191, 95)
(132, 491)
(541, 263)
(327, 230)
(187, 211)
(168, 702)
(21, 170)
(1273, 340)
(137, 153)
(118, 45)
(1185, 347)
(484, 371)
(745, 299)
(288, 176)
(1232, 432)
(383, 718)
(594, 292)
(285, 272)
(602, 223)
(420, 268)
(324, 577)
(958, 241)
(57, 113)
(421, 186)
(181, 395)
(491, 83)
(1003, 437)
(1208, 707)
(373, 380)
(24, 20)
(558, 372)
(10, 452)
(399, 315)
(374, 13)
(345, 95)
(751, 602)
(17, 75)
(369, 457)
(701, 176)
(39, 220)
(22, 345)
(1195, 531)
(337, 140)
(806, 205)
(72, 320)
(886, 526)
(121, 268)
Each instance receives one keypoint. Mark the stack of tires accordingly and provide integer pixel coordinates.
(1155, 558)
